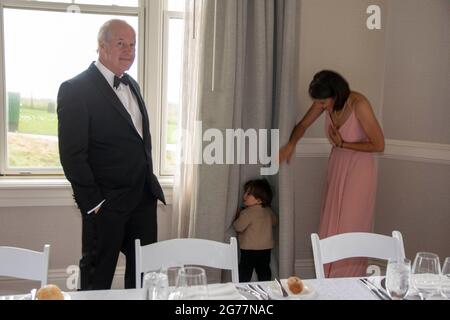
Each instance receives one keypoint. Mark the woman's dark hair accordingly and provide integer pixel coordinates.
(330, 84)
(261, 190)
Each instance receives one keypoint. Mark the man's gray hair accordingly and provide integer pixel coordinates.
(105, 30)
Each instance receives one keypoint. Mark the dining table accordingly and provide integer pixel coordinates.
(315, 289)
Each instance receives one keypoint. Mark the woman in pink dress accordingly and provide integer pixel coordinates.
(355, 134)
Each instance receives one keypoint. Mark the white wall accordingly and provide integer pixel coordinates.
(334, 36)
(404, 69)
(417, 79)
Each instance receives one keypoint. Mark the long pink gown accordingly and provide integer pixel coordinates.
(350, 193)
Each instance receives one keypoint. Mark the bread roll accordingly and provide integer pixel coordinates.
(49, 292)
(295, 285)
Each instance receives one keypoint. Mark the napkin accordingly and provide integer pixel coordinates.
(223, 291)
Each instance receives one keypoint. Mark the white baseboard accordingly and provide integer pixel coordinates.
(395, 149)
(417, 151)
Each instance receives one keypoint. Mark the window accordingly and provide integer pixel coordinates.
(172, 73)
(45, 44)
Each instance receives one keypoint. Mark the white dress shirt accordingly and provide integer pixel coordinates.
(125, 96)
(128, 100)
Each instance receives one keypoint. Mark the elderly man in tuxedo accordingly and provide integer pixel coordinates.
(105, 150)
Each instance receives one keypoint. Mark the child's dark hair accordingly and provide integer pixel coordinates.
(260, 189)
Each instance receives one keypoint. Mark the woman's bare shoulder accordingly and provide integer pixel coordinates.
(359, 101)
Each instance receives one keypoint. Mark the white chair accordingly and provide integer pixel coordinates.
(179, 252)
(24, 263)
(355, 244)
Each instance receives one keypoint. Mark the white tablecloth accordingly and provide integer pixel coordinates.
(340, 289)
(324, 289)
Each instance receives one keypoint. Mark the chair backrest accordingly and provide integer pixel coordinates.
(24, 263)
(180, 252)
(355, 244)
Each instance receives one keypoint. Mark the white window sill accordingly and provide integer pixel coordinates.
(48, 192)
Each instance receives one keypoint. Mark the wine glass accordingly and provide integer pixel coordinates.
(445, 278)
(191, 284)
(426, 274)
(398, 274)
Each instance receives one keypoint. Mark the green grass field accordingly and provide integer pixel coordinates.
(38, 122)
(27, 151)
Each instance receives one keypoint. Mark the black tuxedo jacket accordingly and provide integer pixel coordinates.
(102, 154)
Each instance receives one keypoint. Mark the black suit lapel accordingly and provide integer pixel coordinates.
(103, 85)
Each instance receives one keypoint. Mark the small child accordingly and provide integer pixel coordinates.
(254, 227)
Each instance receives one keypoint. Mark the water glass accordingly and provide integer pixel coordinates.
(172, 278)
(156, 285)
(191, 284)
(426, 274)
(398, 274)
(445, 278)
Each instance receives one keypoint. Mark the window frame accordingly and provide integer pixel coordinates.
(163, 168)
(141, 12)
(53, 190)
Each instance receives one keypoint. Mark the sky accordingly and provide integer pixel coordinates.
(60, 45)
(55, 46)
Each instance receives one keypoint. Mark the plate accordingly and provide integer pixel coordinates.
(28, 296)
(308, 292)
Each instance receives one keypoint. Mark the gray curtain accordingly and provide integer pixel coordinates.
(248, 80)
(285, 115)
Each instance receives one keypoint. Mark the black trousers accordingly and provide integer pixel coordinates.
(258, 260)
(110, 232)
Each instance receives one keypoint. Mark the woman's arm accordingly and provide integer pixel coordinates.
(299, 130)
(370, 125)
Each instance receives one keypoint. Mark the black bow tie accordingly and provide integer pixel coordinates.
(124, 79)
